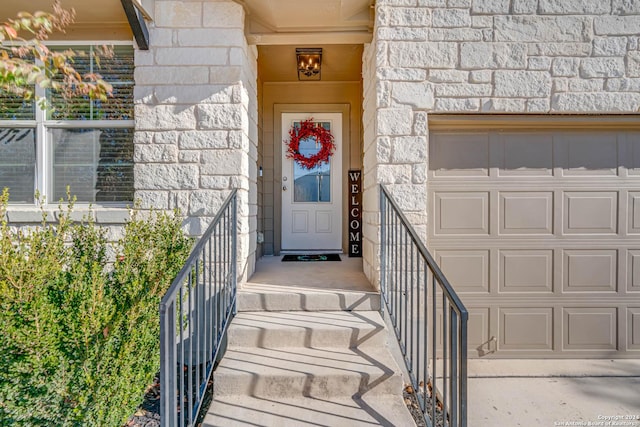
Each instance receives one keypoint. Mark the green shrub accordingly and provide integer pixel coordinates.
(79, 332)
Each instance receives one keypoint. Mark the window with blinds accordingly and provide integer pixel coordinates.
(87, 144)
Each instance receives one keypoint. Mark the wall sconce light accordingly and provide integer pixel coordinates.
(309, 61)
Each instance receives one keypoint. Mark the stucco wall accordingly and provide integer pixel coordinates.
(196, 116)
(484, 56)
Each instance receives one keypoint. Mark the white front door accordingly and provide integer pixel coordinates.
(311, 198)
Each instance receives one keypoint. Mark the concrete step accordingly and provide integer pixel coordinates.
(278, 329)
(260, 297)
(366, 411)
(310, 372)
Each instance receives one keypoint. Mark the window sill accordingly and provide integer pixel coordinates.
(103, 214)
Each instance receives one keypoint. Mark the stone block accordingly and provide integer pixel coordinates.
(410, 197)
(402, 74)
(394, 121)
(455, 34)
(610, 46)
(169, 137)
(565, 67)
(463, 90)
(601, 67)
(490, 7)
(539, 63)
(409, 149)
(227, 74)
(419, 173)
(191, 56)
(153, 199)
(223, 15)
(571, 7)
(457, 105)
(432, 3)
(177, 75)
(504, 105)
(480, 76)
(622, 85)
(154, 153)
(542, 28)
(459, 3)
(394, 174)
(223, 162)
(211, 37)
(450, 18)
(633, 64)
(178, 14)
(426, 55)
(164, 117)
(418, 95)
(560, 85)
(219, 116)
(420, 124)
(161, 36)
(199, 140)
(617, 25)
(165, 177)
(189, 156)
(626, 7)
(448, 76)
(586, 85)
(524, 7)
(522, 84)
(596, 102)
(402, 33)
(540, 105)
(560, 49)
(482, 21)
(479, 56)
(206, 202)
(409, 17)
(194, 94)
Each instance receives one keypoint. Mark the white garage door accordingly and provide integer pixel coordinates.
(539, 232)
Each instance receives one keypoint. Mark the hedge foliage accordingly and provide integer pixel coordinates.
(79, 322)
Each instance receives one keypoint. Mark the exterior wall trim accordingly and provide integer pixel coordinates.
(519, 121)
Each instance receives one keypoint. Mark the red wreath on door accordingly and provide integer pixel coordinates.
(309, 129)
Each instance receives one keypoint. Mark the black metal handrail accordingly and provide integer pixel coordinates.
(194, 316)
(428, 317)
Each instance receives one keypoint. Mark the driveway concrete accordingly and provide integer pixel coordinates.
(554, 393)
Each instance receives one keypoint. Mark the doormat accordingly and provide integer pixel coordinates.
(314, 257)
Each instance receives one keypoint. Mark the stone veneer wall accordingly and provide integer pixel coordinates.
(196, 116)
(484, 56)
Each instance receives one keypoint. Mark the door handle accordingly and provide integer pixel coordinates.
(284, 188)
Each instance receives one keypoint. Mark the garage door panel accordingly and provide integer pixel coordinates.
(633, 327)
(523, 328)
(590, 270)
(468, 269)
(587, 154)
(633, 273)
(524, 155)
(526, 213)
(526, 271)
(590, 212)
(634, 212)
(633, 142)
(478, 330)
(462, 213)
(590, 328)
(460, 154)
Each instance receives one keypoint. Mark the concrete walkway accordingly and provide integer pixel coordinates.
(554, 393)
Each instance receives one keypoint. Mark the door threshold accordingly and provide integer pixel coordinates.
(311, 252)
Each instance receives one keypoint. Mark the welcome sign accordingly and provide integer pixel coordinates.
(355, 213)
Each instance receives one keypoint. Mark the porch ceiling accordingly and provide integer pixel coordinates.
(304, 21)
(104, 19)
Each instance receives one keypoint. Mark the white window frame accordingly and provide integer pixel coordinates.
(44, 160)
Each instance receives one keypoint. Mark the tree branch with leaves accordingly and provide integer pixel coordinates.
(27, 62)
